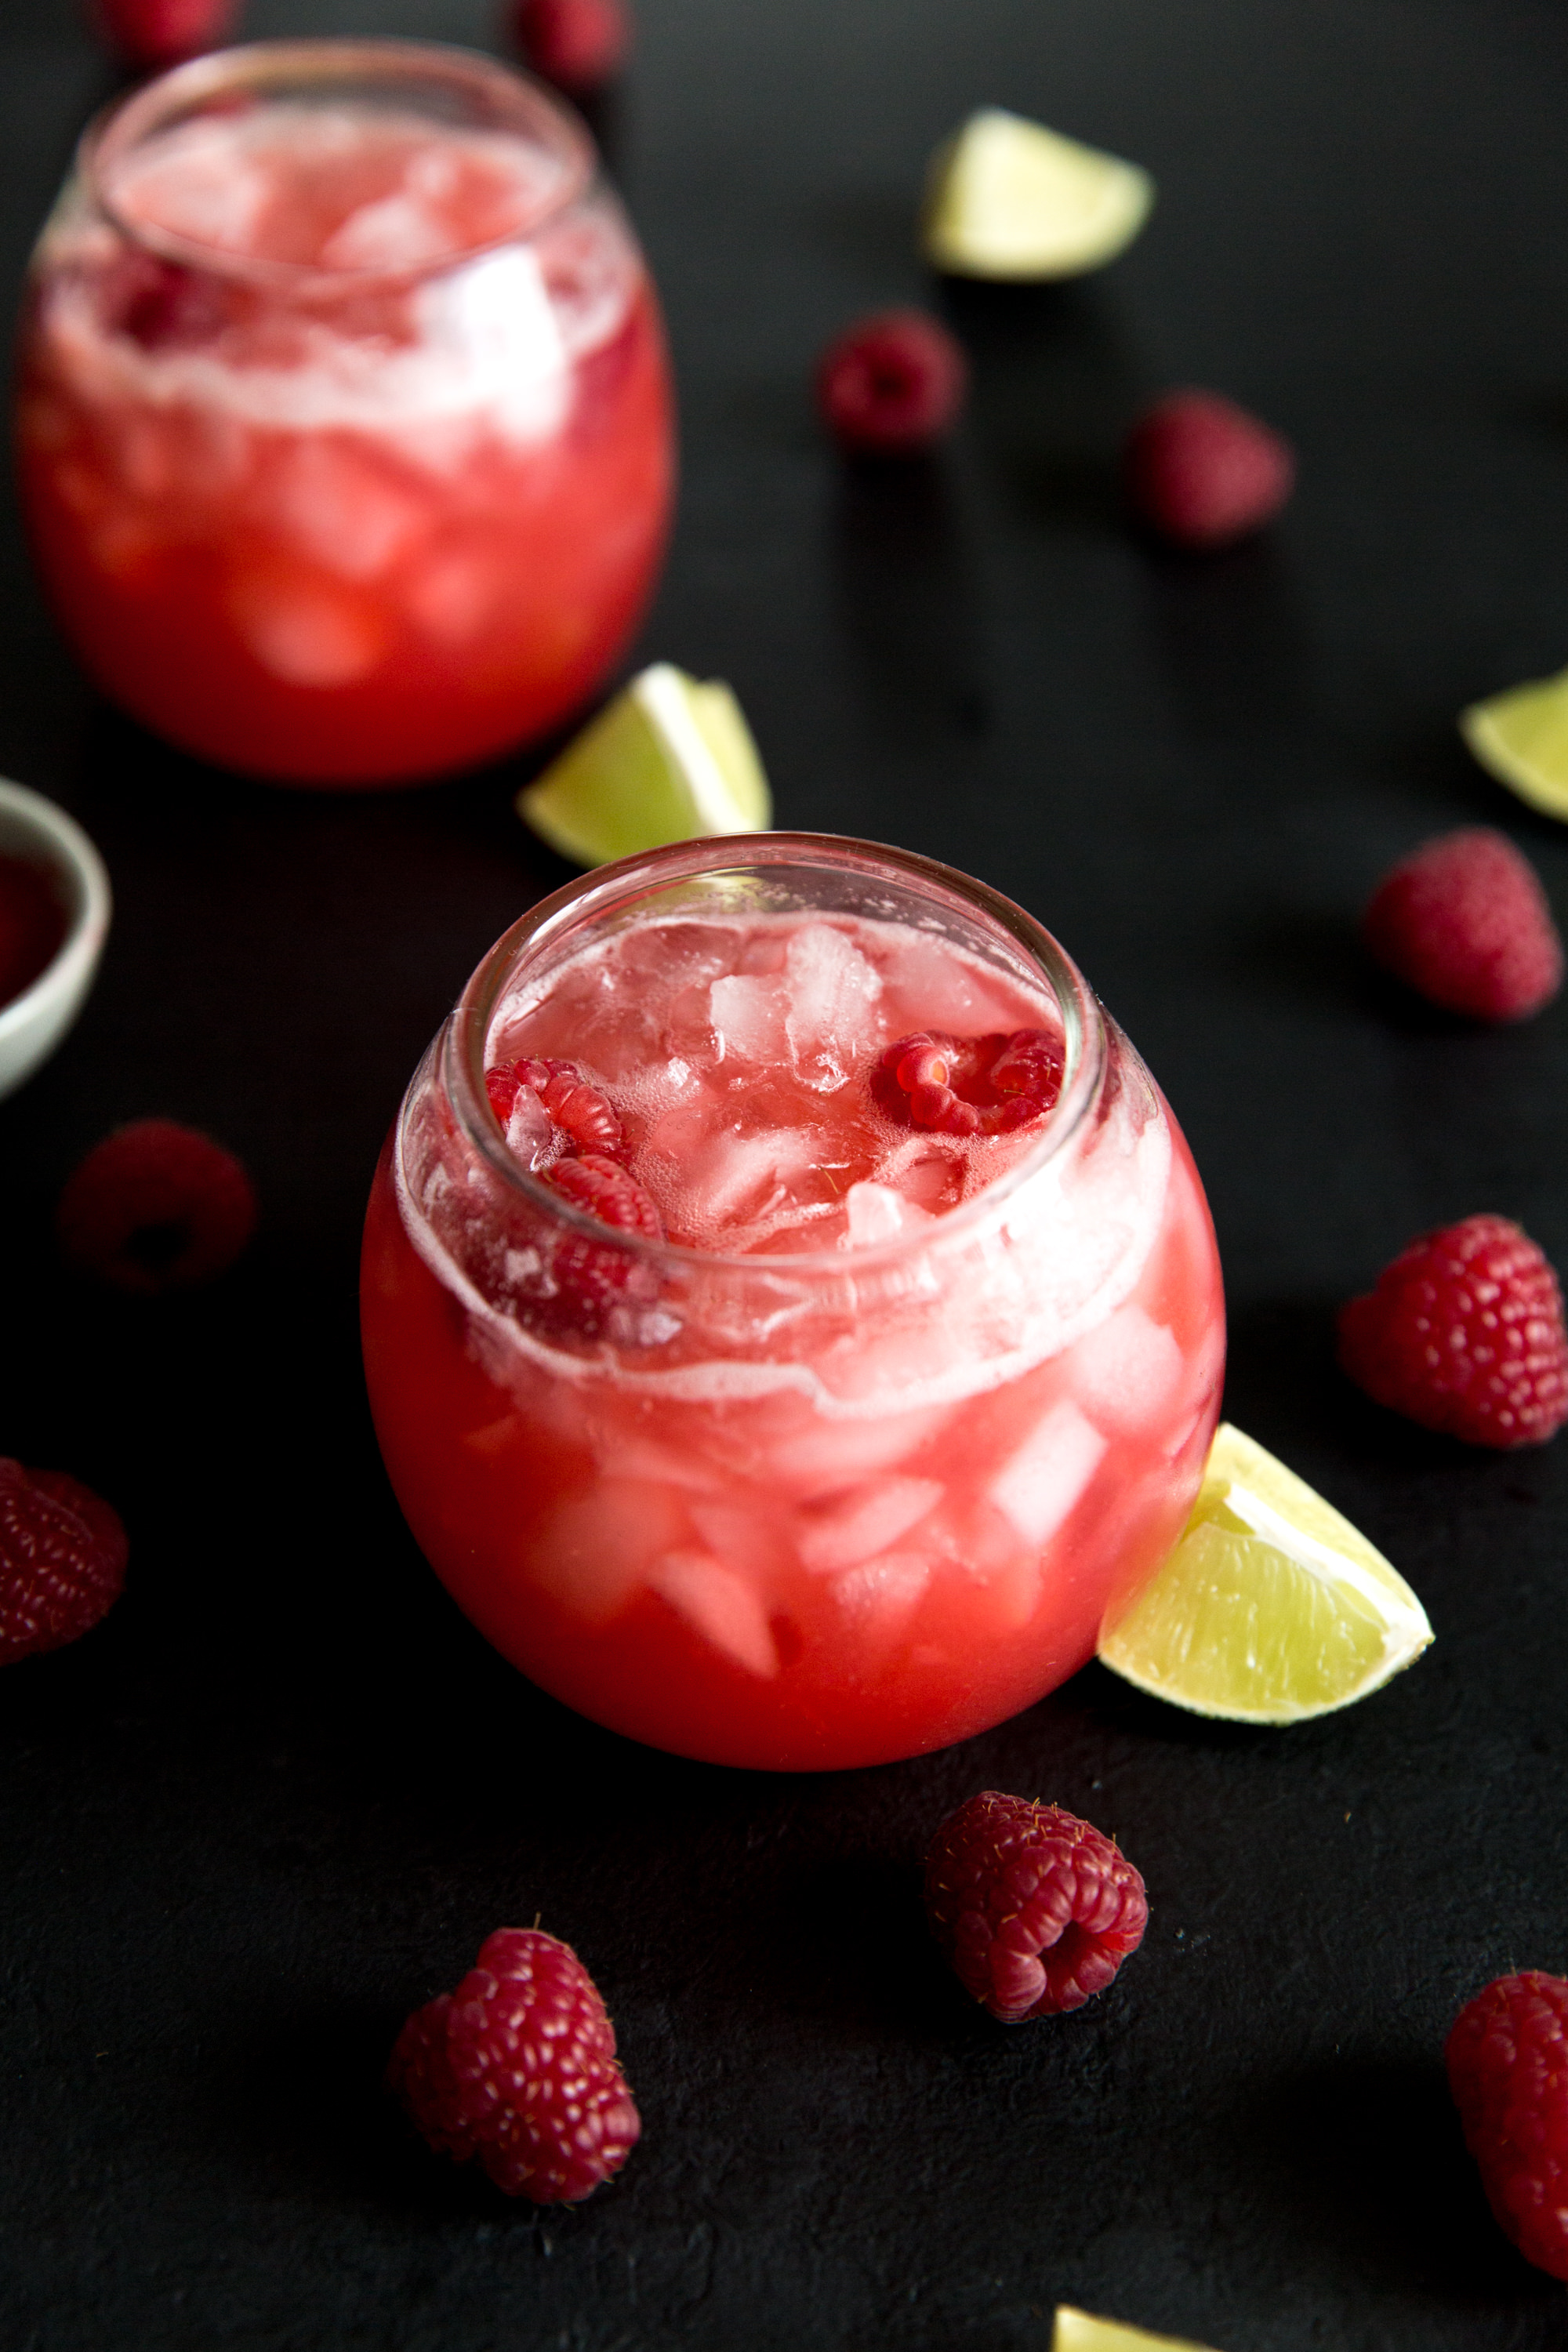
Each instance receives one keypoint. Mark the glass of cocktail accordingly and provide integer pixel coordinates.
(891, 1376)
(344, 423)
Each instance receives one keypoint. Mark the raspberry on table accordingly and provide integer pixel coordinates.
(1465, 922)
(1201, 472)
(518, 2067)
(575, 44)
(152, 33)
(892, 385)
(1507, 2069)
(969, 1086)
(155, 1206)
(1035, 1909)
(1463, 1333)
(62, 1559)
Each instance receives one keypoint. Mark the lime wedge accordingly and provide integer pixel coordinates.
(1521, 738)
(1076, 2332)
(1007, 198)
(1272, 1607)
(668, 759)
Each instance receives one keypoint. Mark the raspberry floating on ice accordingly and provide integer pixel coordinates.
(585, 1115)
(1463, 1333)
(1201, 472)
(1465, 922)
(62, 1559)
(602, 1188)
(152, 33)
(892, 385)
(518, 2067)
(969, 1086)
(156, 1206)
(1034, 1909)
(1507, 2069)
(575, 44)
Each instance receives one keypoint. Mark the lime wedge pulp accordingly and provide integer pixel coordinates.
(1076, 2332)
(1272, 1607)
(668, 759)
(1521, 738)
(1007, 198)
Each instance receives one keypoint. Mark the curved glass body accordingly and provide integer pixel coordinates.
(831, 1498)
(344, 426)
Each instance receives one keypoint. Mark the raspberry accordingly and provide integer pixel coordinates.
(1034, 1909)
(969, 1086)
(591, 1277)
(155, 1206)
(582, 1113)
(151, 34)
(603, 1189)
(1463, 920)
(1507, 2069)
(62, 1559)
(1201, 472)
(892, 385)
(1463, 1333)
(518, 2067)
(575, 44)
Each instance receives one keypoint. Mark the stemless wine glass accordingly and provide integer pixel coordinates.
(344, 423)
(872, 1482)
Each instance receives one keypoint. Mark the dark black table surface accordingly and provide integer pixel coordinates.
(281, 1795)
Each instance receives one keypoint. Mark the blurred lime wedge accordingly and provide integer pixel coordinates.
(1076, 2332)
(1521, 738)
(1007, 198)
(1272, 1607)
(668, 759)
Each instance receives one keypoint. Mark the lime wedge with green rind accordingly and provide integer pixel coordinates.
(1007, 198)
(1272, 1607)
(1521, 738)
(1075, 2331)
(671, 758)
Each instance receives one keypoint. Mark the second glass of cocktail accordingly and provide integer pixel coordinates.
(792, 1317)
(344, 424)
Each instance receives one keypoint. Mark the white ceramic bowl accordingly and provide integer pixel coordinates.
(33, 1024)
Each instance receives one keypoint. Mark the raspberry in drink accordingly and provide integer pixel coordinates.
(792, 1315)
(344, 423)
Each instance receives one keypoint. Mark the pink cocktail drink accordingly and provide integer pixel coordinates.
(893, 1377)
(344, 424)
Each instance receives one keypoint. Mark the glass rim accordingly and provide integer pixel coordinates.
(120, 125)
(461, 1047)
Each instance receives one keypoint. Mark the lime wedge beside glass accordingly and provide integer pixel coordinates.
(1075, 2331)
(1007, 198)
(1272, 1607)
(1520, 737)
(671, 758)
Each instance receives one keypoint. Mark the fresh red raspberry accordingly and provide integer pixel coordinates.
(152, 33)
(1507, 2069)
(1034, 1909)
(602, 1188)
(1201, 472)
(1463, 920)
(62, 1559)
(591, 1277)
(575, 44)
(969, 1086)
(1463, 1333)
(892, 385)
(586, 1117)
(518, 2067)
(155, 1206)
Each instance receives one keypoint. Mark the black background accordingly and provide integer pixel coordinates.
(281, 1795)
